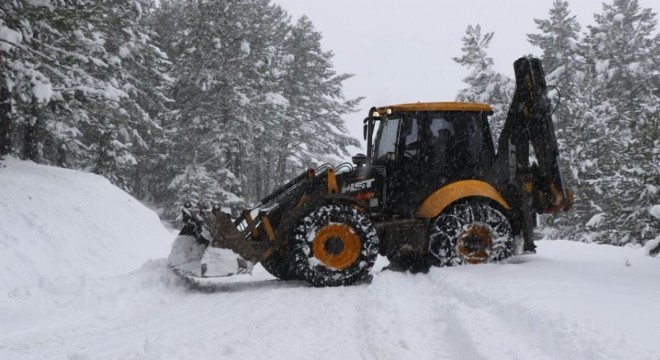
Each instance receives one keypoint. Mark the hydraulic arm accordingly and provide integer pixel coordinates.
(529, 121)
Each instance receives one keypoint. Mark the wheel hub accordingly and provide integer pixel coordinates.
(474, 243)
(337, 246)
(334, 246)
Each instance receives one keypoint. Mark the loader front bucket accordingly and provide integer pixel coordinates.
(186, 255)
(190, 258)
(230, 252)
(195, 255)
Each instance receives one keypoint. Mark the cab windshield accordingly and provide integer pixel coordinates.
(386, 139)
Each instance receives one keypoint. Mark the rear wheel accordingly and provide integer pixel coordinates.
(334, 245)
(472, 232)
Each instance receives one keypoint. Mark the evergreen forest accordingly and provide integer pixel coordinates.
(175, 100)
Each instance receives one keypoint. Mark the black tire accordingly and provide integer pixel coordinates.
(279, 265)
(334, 245)
(470, 232)
(405, 262)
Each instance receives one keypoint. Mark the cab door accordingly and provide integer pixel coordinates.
(400, 149)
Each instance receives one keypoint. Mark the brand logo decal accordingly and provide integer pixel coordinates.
(357, 186)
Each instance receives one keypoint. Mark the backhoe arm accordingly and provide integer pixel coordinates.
(529, 121)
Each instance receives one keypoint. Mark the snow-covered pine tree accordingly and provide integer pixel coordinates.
(130, 64)
(266, 104)
(28, 84)
(484, 84)
(236, 120)
(558, 41)
(195, 36)
(146, 79)
(75, 102)
(41, 68)
(224, 59)
(622, 50)
(313, 129)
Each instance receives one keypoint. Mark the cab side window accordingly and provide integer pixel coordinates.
(441, 131)
(387, 139)
(479, 143)
(410, 138)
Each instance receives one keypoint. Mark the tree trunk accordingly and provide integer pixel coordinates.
(235, 165)
(137, 181)
(268, 182)
(31, 139)
(282, 156)
(258, 180)
(5, 121)
(61, 156)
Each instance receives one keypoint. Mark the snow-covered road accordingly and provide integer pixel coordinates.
(571, 301)
(70, 240)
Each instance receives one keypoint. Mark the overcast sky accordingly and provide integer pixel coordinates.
(401, 51)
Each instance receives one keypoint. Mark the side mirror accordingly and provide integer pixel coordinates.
(359, 159)
(364, 131)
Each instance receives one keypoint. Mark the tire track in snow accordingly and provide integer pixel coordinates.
(197, 314)
(167, 313)
(401, 324)
(485, 317)
(226, 321)
(446, 314)
(467, 321)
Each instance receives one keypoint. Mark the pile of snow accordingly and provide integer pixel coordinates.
(62, 223)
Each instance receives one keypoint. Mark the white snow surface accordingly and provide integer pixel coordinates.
(59, 223)
(83, 276)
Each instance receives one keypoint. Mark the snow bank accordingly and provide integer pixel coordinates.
(62, 223)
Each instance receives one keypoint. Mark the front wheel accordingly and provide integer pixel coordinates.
(334, 245)
(471, 232)
(279, 265)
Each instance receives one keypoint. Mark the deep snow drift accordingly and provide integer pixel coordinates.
(62, 223)
(77, 283)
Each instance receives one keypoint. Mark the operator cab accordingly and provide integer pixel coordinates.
(427, 145)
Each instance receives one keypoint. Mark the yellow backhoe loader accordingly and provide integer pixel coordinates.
(431, 191)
